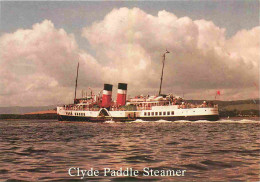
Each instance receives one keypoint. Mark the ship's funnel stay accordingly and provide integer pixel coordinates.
(107, 94)
(121, 94)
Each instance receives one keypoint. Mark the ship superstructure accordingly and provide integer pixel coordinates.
(148, 108)
(101, 107)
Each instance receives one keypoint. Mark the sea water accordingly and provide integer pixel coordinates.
(49, 150)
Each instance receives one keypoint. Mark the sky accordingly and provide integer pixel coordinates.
(214, 45)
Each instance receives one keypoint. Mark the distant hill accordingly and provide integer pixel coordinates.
(241, 107)
(23, 110)
(227, 103)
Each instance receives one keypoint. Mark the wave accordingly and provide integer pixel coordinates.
(186, 121)
(203, 121)
(111, 121)
(182, 121)
(139, 121)
(238, 121)
(162, 121)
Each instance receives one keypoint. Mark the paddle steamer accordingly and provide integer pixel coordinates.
(101, 107)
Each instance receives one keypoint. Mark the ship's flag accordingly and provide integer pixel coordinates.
(217, 93)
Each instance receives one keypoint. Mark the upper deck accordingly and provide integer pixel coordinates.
(139, 104)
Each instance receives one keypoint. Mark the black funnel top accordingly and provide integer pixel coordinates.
(108, 87)
(122, 86)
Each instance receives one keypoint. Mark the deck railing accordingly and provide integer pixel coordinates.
(187, 106)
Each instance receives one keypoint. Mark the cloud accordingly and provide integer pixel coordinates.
(38, 65)
(41, 59)
(201, 58)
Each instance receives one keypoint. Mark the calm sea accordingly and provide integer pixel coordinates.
(41, 150)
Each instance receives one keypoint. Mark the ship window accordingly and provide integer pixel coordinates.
(148, 113)
(160, 113)
(164, 113)
(168, 112)
(172, 112)
(145, 113)
(152, 113)
(156, 113)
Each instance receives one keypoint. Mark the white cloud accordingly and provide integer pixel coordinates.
(41, 59)
(201, 58)
(38, 65)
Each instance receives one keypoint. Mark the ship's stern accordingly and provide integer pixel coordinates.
(60, 111)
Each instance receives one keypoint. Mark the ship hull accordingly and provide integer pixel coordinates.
(126, 119)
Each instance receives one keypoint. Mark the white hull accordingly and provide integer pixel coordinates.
(155, 113)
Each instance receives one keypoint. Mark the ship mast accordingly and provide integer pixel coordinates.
(162, 70)
(76, 83)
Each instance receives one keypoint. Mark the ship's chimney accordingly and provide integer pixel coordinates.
(121, 94)
(106, 97)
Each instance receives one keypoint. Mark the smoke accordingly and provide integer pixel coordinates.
(38, 65)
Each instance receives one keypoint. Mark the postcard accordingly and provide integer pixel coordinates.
(129, 91)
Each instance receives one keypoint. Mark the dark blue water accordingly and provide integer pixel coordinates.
(227, 150)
